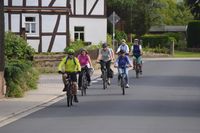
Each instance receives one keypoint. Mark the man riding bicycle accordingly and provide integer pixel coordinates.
(105, 56)
(70, 65)
(123, 62)
(137, 54)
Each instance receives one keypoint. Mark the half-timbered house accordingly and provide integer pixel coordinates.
(50, 25)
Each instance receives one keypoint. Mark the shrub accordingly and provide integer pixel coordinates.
(193, 32)
(119, 35)
(75, 45)
(17, 48)
(20, 76)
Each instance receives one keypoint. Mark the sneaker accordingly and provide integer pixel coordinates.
(140, 72)
(127, 86)
(75, 99)
(109, 81)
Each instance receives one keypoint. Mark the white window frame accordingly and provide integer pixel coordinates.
(79, 33)
(36, 22)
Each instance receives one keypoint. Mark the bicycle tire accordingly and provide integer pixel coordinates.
(69, 96)
(137, 70)
(123, 85)
(84, 84)
(104, 80)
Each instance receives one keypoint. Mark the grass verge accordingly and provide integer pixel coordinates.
(183, 54)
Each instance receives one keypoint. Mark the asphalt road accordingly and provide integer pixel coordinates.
(166, 99)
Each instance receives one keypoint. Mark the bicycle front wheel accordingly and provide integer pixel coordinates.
(104, 80)
(123, 85)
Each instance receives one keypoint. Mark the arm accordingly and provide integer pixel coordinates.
(89, 60)
(116, 62)
(62, 64)
(99, 56)
(118, 49)
(78, 65)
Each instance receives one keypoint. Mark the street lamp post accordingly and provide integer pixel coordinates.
(1, 47)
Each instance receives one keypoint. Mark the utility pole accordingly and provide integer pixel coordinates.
(2, 61)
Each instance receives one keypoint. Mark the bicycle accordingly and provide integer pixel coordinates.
(84, 83)
(123, 79)
(104, 74)
(138, 68)
(68, 87)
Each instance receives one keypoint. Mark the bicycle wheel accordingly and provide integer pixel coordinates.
(84, 84)
(104, 80)
(137, 70)
(69, 96)
(123, 84)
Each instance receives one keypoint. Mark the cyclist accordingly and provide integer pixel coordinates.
(124, 47)
(105, 55)
(71, 66)
(123, 62)
(85, 63)
(137, 54)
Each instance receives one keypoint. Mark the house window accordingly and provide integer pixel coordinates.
(79, 33)
(30, 25)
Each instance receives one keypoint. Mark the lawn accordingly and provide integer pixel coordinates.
(186, 54)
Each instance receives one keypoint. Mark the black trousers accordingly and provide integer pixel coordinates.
(107, 64)
(86, 69)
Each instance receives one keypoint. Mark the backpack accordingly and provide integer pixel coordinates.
(68, 58)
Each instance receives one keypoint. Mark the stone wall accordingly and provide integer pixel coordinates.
(49, 62)
(2, 85)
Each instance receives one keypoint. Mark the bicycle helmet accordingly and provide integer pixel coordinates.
(82, 49)
(104, 45)
(70, 51)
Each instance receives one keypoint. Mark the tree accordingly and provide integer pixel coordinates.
(138, 15)
(194, 7)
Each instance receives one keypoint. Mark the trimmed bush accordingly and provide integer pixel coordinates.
(193, 34)
(20, 76)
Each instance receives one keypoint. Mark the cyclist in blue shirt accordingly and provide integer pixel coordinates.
(123, 62)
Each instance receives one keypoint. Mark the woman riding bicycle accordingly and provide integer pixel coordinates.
(86, 64)
(123, 62)
(71, 66)
(137, 54)
(105, 57)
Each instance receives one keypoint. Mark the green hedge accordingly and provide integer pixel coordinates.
(193, 34)
(154, 41)
(20, 76)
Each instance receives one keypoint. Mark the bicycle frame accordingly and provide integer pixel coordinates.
(122, 77)
(104, 74)
(84, 82)
(69, 94)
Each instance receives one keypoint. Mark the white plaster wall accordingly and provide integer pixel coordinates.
(17, 2)
(62, 24)
(34, 44)
(95, 29)
(80, 7)
(15, 22)
(61, 3)
(59, 44)
(32, 2)
(45, 2)
(99, 8)
(48, 23)
(45, 43)
(6, 2)
(6, 21)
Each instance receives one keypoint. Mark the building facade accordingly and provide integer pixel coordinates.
(50, 25)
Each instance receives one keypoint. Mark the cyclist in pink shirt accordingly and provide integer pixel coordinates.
(86, 64)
